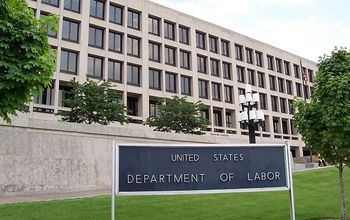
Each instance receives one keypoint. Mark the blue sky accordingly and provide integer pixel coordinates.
(309, 28)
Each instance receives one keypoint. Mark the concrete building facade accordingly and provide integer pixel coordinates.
(149, 51)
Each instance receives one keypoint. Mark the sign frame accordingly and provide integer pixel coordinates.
(287, 164)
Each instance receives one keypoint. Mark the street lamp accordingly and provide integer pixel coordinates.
(250, 115)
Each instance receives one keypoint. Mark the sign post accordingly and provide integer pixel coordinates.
(145, 169)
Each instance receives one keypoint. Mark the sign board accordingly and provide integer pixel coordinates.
(145, 169)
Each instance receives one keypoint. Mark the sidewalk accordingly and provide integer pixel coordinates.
(47, 196)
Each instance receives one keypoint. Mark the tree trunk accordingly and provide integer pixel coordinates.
(342, 193)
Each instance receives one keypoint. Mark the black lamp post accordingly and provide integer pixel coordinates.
(250, 115)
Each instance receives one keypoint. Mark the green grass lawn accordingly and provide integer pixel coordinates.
(316, 197)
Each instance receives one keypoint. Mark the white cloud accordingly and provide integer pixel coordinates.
(288, 2)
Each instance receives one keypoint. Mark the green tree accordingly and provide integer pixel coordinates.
(178, 115)
(324, 122)
(91, 102)
(27, 62)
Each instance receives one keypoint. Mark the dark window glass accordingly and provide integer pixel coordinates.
(186, 88)
(170, 82)
(226, 70)
(133, 72)
(133, 46)
(185, 57)
(239, 52)
(258, 56)
(116, 14)
(272, 80)
(274, 104)
(203, 88)
(95, 66)
(51, 2)
(154, 51)
(184, 35)
(96, 37)
(298, 89)
(228, 94)
(216, 91)
(217, 116)
(306, 92)
(134, 19)
(289, 87)
(170, 56)
(214, 67)
(201, 64)
(97, 9)
(169, 30)
(276, 125)
(290, 107)
(115, 70)
(213, 44)
(283, 105)
(251, 77)
(310, 75)
(279, 65)
(115, 42)
(50, 32)
(69, 61)
(64, 93)
(228, 119)
(296, 71)
(240, 74)
(70, 30)
(72, 5)
(154, 79)
(280, 85)
(249, 55)
(292, 128)
(133, 105)
(153, 25)
(263, 101)
(241, 91)
(46, 97)
(261, 80)
(270, 62)
(287, 68)
(285, 129)
(225, 48)
(153, 108)
(200, 39)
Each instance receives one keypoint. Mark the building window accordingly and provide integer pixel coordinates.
(185, 57)
(133, 19)
(116, 14)
(225, 48)
(50, 32)
(95, 67)
(289, 87)
(214, 67)
(228, 94)
(241, 91)
(276, 125)
(133, 46)
(64, 93)
(154, 51)
(217, 116)
(203, 89)
(270, 62)
(200, 39)
(311, 75)
(298, 88)
(72, 5)
(115, 42)
(261, 80)
(228, 118)
(292, 128)
(170, 56)
(184, 35)
(258, 56)
(153, 108)
(216, 91)
(96, 37)
(213, 44)
(133, 105)
(279, 65)
(133, 72)
(285, 126)
(226, 70)
(251, 77)
(240, 74)
(306, 92)
(201, 64)
(170, 82)
(97, 9)
(70, 30)
(51, 2)
(286, 68)
(186, 87)
(154, 79)
(283, 105)
(274, 103)
(153, 25)
(169, 30)
(290, 107)
(239, 52)
(296, 71)
(115, 69)
(280, 85)
(272, 80)
(69, 61)
(263, 101)
(46, 97)
(249, 55)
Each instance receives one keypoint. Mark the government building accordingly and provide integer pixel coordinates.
(149, 51)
